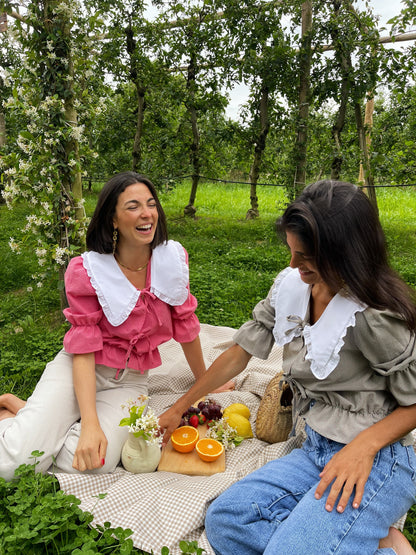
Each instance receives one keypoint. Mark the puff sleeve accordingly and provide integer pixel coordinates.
(390, 348)
(185, 322)
(256, 335)
(84, 312)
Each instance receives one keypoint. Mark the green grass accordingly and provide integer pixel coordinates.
(397, 214)
(233, 262)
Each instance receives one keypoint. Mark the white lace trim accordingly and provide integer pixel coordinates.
(117, 296)
(323, 339)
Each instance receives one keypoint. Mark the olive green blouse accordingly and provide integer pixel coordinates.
(349, 370)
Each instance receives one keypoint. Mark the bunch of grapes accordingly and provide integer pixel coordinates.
(204, 412)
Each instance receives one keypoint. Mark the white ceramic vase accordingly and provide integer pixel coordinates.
(139, 456)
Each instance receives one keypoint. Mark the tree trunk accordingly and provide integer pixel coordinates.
(304, 98)
(3, 22)
(338, 126)
(137, 144)
(71, 177)
(365, 158)
(3, 136)
(368, 125)
(336, 131)
(260, 145)
(190, 209)
(131, 45)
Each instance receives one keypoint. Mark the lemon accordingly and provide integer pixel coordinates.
(240, 423)
(237, 408)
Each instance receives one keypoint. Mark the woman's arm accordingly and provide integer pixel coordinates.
(194, 357)
(350, 467)
(92, 444)
(230, 363)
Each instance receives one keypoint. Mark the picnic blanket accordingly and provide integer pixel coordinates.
(163, 508)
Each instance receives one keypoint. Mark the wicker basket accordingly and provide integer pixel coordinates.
(274, 416)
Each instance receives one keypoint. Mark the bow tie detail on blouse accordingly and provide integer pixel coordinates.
(323, 340)
(300, 401)
(145, 297)
(299, 324)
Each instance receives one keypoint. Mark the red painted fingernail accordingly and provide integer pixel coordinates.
(102, 462)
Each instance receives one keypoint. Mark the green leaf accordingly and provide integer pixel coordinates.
(26, 135)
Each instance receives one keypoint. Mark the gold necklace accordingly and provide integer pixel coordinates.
(131, 269)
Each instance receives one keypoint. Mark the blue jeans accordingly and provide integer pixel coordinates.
(273, 510)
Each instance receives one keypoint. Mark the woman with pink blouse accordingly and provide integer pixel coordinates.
(127, 294)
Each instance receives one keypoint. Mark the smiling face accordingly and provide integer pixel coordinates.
(136, 216)
(302, 260)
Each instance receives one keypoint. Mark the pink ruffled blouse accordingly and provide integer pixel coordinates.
(120, 324)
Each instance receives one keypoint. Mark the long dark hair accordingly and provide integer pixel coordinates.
(340, 229)
(100, 230)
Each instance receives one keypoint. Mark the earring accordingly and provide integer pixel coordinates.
(115, 237)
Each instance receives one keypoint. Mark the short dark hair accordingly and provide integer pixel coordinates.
(100, 231)
(339, 227)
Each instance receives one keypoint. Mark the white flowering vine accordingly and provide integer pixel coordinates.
(43, 166)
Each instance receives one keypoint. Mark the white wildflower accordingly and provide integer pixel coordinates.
(15, 247)
(77, 131)
(224, 433)
(60, 255)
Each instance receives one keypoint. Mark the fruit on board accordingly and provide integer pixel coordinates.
(238, 408)
(206, 410)
(240, 424)
(194, 421)
(184, 439)
(209, 449)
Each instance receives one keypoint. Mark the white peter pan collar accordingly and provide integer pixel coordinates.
(169, 276)
(324, 339)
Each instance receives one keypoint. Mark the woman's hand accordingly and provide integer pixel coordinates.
(168, 422)
(230, 363)
(91, 449)
(228, 386)
(92, 443)
(348, 469)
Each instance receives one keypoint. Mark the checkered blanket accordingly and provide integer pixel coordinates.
(163, 508)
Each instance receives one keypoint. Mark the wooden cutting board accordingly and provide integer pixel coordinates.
(190, 463)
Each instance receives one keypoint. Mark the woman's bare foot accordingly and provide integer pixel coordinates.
(10, 405)
(397, 541)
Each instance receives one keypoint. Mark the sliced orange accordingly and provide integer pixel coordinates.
(209, 449)
(184, 438)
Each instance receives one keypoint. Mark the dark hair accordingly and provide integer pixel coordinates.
(340, 229)
(100, 230)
